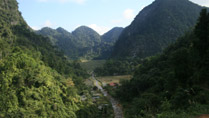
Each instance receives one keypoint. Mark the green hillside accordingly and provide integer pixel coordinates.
(155, 27)
(112, 35)
(36, 80)
(41, 77)
(83, 42)
(175, 83)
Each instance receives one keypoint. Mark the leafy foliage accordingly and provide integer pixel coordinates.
(83, 43)
(174, 80)
(117, 67)
(36, 80)
(112, 35)
(155, 27)
(30, 89)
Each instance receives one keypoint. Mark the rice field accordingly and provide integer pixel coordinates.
(113, 79)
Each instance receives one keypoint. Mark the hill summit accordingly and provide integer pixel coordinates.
(155, 27)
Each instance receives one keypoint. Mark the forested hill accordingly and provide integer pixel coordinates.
(112, 35)
(9, 13)
(83, 42)
(86, 36)
(36, 80)
(175, 83)
(61, 38)
(108, 41)
(155, 27)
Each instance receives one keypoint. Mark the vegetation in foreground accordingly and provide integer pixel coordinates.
(174, 84)
(36, 80)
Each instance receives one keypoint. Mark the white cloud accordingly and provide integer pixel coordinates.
(100, 29)
(116, 21)
(126, 17)
(42, 0)
(201, 2)
(79, 1)
(129, 14)
(64, 1)
(48, 23)
(142, 7)
(35, 27)
(77, 26)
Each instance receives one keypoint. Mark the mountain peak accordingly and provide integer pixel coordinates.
(171, 0)
(83, 27)
(155, 27)
(117, 28)
(46, 28)
(112, 35)
(61, 30)
(85, 30)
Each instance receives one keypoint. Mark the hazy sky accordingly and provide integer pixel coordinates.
(101, 15)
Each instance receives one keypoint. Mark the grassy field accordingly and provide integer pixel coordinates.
(90, 65)
(89, 82)
(113, 79)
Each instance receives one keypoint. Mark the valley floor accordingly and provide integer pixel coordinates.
(118, 112)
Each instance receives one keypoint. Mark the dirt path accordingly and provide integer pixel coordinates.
(116, 106)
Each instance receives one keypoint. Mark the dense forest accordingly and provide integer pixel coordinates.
(155, 27)
(173, 84)
(41, 78)
(83, 42)
(114, 67)
(36, 79)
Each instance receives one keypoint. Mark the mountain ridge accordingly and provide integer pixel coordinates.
(112, 35)
(155, 27)
(83, 42)
(165, 84)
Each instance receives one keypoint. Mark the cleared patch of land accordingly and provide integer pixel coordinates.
(90, 65)
(113, 79)
(89, 82)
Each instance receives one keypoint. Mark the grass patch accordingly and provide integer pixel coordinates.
(89, 82)
(90, 65)
(113, 79)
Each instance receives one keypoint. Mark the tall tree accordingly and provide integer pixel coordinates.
(201, 31)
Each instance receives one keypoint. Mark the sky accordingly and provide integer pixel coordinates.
(100, 15)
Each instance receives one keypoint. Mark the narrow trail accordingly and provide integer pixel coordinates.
(118, 112)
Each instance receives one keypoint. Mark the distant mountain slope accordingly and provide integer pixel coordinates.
(112, 35)
(155, 27)
(62, 39)
(86, 36)
(83, 42)
(108, 41)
